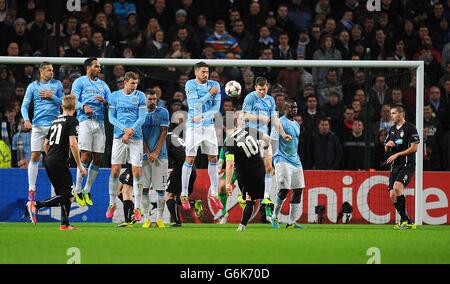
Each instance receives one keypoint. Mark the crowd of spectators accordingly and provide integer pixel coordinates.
(337, 107)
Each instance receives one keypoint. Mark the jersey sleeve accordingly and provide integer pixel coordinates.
(107, 92)
(142, 111)
(215, 108)
(247, 106)
(228, 150)
(191, 92)
(77, 88)
(413, 137)
(273, 110)
(73, 127)
(165, 118)
(26, 101)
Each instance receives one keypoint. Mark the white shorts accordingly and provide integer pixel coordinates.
(288, 176)
(38, 135)
(155, 174)
(131, 152)
(265, 152)
(91, 136)
(204, 137)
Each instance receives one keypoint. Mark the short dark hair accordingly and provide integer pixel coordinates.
(428, 105)
(261, 81)
(399, 108)
(220, 22)
(290, 102)
(88, 62)
(150, 92)
(324, 119)
(43, 65)
(228, 99)
(200, 64)
(311, 96)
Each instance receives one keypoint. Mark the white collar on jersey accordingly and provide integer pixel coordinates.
(129, 93)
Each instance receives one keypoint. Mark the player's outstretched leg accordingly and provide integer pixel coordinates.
(65, 212)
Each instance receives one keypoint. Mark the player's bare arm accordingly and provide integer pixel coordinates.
(229, 173)
(46, 146)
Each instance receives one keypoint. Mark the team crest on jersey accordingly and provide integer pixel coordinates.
(134, 100)
(402, 134)
(52, 90)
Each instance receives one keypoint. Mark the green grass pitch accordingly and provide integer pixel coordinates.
(215, 244)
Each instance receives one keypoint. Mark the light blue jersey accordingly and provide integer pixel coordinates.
(86, 90)
(45, 110)
(152, 129)
(200, 101)
(127, 111)
(287, 152)
(255, 105)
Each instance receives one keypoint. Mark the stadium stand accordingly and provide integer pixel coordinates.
(247, 29)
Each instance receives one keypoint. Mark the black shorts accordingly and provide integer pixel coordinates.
(253, 184)
(127, 177)
(60, 177)
(174, 182)
(401, 174)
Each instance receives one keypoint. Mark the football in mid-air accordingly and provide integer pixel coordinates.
(233, 88)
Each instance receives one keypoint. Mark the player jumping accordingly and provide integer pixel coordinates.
(204, 102)
(92, 94)
(45, 94)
